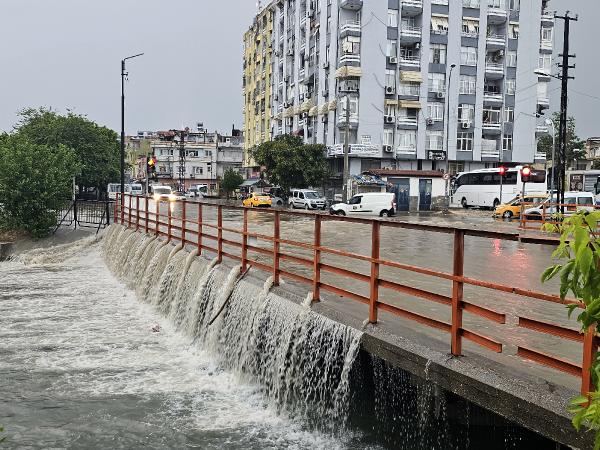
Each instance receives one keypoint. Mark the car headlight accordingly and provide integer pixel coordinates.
(156, 197)
(172, 197)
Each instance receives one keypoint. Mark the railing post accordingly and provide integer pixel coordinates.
(219, 233)
(107, 212)
(137, 213)
(129, 212)
(374, 296)
(317, 260)
(122, 206)
(146, 201)
(169, 224)
(183, 222)
(590, 347)
(457, 292)
(199, 228)
(276, 232)
(75, 212)
(115, 212)
(245, 241)
(157, 218)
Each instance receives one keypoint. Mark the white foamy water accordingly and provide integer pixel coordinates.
(81, 368)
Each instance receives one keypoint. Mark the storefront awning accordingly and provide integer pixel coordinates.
(305, 107)
(324, 108)
(313, 111)
(332, 105)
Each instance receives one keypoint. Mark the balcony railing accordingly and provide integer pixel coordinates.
(409, 31)
(406, 150)
(470, 3)
(350, 25)
(492, 96)
(349, 58)
(407, 120)
(547, 44)
(409, 90)
(355, 149)
(413, 61)
(496, 40)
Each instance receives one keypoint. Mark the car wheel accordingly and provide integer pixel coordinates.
(341, 213)
(279, 203)
(384, 213)
(496, 203)
(507, 214)
(463, 202)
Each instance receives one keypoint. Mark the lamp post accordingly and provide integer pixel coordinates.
(123, 75)
(448, 134)
(550, 123)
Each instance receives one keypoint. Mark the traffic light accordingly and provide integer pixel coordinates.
(151, 167)
(502, 170)
(526, 174)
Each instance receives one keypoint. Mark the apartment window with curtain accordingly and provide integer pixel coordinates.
(467, 84)
(501, 4)
(546, 34)
(435, 140)
(515, 5)
(392, 47)
(470, 27)
(388, 137)
(437, 55)
(509, 114)
(464, 142)
(392, 18)
(407, 140)
(511, 59)
(507, 143)
(491, 115)
(439, 24)
(468, 56)
(513, 31)
(435, 111)
(437, 82)
(545, 63)
(466, 113)
(390, 78)
(511, 87)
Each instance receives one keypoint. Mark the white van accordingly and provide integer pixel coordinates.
(307, 199)
(136, 189)
(382, 204)
(114, 188)
(574, 201)
(161, 192)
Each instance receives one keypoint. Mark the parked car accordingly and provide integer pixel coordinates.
(136, 189)
(513, 208)
(306, 199)
(276, 201)
(194, 192)
(574, 201)
(257, 200)
(382, 204)
(177, 195)
(161, 192)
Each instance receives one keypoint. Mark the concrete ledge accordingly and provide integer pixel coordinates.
(6, 250)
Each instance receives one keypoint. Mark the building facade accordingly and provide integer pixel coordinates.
(390, 64)
(257, 81)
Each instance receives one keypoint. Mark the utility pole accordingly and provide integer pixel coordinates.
(346, 151)
(447, 205)
(564, 98)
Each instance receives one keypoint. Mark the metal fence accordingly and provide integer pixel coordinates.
(85, 214)
(208, 236)
(549, 213)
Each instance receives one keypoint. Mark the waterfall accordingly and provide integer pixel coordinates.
(300, 360)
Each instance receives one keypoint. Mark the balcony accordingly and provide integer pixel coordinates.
(406, 151)
(546, 46)
(495, 42)
(494, 71)
(413, 90)
(342, 120)
(407, 122)
(410, 34)
(543, 102)
(492, 98)
(410, 62)
(541, 130)
(353, 5)
(491, 127)
(547, 19)
(412, 7)
(349, 59)
(496, 16)
(470, 3)
(350, 28)
(355, 150)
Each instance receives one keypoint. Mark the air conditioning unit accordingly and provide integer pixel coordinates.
(417, 46)
(465, 125)
(390, 90)
(387, 148)
(429, 121)
(392, 60)
(388, 119)
(286, 105)
(439, 94)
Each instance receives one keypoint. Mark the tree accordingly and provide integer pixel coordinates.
(291, 164)
(575, 146)
(97, 148)
(231, 181)
(35, 182)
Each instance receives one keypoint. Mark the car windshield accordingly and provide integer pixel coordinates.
(162, 191)
(310, 194)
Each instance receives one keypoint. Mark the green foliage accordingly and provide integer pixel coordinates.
(579, 272)
(575, 146)
(35, 181)
(97, 148)
(231, 181)
(596, 165)
(2, 438)
(291, 164)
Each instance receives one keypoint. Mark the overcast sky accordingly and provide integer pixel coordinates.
(66, 54)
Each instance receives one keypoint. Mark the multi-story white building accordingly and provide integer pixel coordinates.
(392, 62)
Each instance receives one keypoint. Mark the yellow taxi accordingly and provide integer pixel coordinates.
(513, 208)
(257, 200)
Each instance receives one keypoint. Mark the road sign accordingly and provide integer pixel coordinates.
(446, 176)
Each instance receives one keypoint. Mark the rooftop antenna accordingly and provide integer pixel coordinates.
(258, 5)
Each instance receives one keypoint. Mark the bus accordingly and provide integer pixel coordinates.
(114, 188)
(482, 187)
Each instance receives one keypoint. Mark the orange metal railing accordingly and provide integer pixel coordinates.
(193, 232)
(550, 213)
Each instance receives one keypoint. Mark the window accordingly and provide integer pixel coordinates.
(437, 82)
(545, 63)
(438, 54)
(514, 4)
(390, 110)
(392, 18)
(198, 170)
(464, 142)
(466, 113)
(511, 86)
(470, 3)
(390, 78)
(350, 45)
(355, 200)
(507, 143)
(491, 115)
(513, 31)
(407, 139)
(435, 140)
(468, 56)
(392, 47)
(435, 111)
(546, 34)
(470, 27)
(439, 24)
(353, 106)
(388, 137)
(467, 84)
(511, 59)
(501, 4)
(409, 88)
(509, 114)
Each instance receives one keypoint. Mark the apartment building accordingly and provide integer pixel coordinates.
(257, 81)
(410, 82)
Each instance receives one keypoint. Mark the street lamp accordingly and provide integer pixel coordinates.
(550, 123)
(452, 66)
(123, 75)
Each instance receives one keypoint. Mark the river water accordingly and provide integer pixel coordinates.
(81, 368)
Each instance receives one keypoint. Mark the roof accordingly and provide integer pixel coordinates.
(254, 182)
(367, 179)
(406, 173)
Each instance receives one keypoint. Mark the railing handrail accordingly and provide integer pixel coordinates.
(456, 302)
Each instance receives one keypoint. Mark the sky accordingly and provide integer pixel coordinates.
(66, 54)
